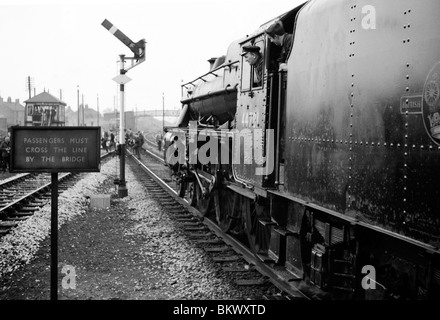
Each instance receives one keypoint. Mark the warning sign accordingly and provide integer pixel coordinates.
(55, 149)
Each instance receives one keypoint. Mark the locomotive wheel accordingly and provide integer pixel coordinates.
(191, 194)
(225, 203)
(258, 235)
(203, 204)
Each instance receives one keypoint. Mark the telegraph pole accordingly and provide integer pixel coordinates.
(29, 86)
(97, 106)
(82, 109)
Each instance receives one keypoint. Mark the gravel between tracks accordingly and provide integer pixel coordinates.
(128, 251)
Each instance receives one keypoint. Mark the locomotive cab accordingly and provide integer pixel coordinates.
(250, 141)
(261, 112)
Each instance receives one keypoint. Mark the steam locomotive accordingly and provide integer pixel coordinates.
(330, 169)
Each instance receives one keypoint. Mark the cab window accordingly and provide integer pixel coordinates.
(252, 76)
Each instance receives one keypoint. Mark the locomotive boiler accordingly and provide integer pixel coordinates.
(331, 168)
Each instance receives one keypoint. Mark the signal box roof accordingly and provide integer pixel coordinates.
(45, 97)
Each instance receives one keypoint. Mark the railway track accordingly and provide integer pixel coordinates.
(229, 251)
(23, 194)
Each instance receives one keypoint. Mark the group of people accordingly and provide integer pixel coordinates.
(278, 36)
(135, 141)
(108, 141)
(45, 115)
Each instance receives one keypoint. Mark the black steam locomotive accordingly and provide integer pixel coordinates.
(330, 169)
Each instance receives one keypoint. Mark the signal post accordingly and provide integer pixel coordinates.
(138, 49)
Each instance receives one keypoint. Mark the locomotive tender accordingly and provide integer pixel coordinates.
(351, 208)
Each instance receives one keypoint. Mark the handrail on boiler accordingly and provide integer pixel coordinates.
(227, 89)
(210, 72)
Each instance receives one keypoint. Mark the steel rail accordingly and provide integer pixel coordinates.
(275, 278)
(34, 191)
(14, 183)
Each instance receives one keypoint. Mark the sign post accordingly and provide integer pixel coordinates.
(53, 150)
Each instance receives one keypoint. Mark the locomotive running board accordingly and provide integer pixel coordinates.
(244, 192)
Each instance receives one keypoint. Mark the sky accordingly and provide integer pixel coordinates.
(62, 46)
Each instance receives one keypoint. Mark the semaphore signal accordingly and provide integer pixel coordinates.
(138, 48)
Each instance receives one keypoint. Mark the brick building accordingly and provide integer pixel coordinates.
(11, 113)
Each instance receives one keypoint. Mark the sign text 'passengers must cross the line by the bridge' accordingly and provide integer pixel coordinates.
(56, 149)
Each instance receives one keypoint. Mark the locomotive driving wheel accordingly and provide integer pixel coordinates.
(258, 234)
(203, 201)
(190, 195)
(225, 204)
